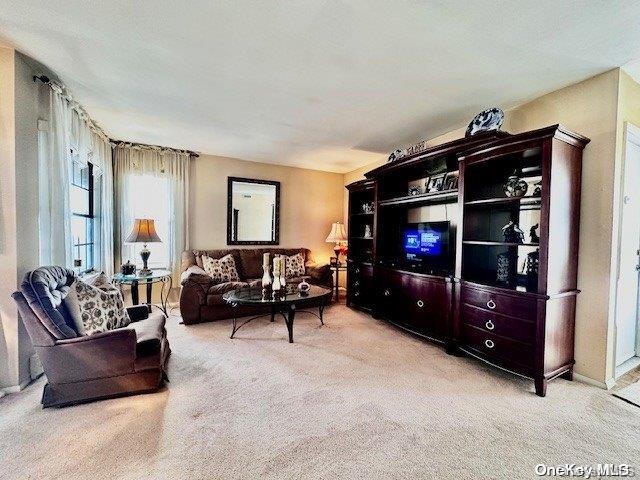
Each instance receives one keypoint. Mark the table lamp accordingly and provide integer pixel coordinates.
(143, 231)
(338, 234)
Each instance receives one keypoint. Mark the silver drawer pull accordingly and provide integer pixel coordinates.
(356, 283)
(491, 304)
(489, 343)
(356, 294)
(489, 325)
(420, 303)
(357, 270)
(387, 293)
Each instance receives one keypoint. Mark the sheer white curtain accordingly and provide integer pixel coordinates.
(153, 183)
(56, 243)
(69, 129)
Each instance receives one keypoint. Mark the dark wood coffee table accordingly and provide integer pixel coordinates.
(285, 304)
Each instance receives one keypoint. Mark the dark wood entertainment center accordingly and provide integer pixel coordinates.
(510, 302)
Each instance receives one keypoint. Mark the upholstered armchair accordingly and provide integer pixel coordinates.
(80, 368)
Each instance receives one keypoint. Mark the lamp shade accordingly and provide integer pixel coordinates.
(338, 233)
(143, 231)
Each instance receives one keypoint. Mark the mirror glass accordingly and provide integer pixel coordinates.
(253, 212)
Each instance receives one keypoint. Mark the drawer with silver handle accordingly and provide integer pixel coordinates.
(515, 305)
(511, 327)
(494, 347)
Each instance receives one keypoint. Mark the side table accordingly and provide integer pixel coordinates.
(337, 269)
(157, 276)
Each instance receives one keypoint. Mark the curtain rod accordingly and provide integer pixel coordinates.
(144, 146)
(61, 89)
(82, 113)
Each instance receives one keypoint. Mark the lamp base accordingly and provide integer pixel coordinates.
(337, 249)
(144, 254)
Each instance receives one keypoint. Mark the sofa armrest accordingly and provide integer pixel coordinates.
(320, 274)
(138, 312)
(193, 295)
(101, 355)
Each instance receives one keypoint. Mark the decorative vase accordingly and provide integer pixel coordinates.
(303, 287)
(515, 186)
(275, 286)
(531, 269)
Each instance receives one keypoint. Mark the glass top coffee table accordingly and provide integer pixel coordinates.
(286, 303)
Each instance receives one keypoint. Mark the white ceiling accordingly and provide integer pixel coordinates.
(330, 85)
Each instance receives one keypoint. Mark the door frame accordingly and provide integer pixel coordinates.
(631, 134)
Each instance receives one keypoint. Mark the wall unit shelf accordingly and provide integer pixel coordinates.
(423, 198)
(511, 304)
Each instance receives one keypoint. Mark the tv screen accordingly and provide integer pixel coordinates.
(427, 243)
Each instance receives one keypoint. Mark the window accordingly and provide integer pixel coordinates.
(148, 197)
(84, 200)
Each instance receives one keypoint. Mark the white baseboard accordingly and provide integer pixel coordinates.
(590, 381)
(15, 388)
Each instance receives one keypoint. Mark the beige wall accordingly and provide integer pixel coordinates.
(9, 351)
(589, 108)
(18, 207)
(310, 201)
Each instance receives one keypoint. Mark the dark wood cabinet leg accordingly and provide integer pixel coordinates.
(134, 293)
(541, 386)
(273, 314)
(568, 375)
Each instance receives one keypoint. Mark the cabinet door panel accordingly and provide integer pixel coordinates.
(428, 305)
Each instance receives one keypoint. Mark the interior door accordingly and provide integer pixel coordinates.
(627, 291)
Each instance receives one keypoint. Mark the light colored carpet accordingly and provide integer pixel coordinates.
(353, 399)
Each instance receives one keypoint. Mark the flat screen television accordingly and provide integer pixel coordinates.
(427, 244)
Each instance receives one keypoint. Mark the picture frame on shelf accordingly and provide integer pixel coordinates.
(435, 183)
(451, 181)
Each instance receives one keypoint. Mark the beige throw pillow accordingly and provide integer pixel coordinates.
(294, 265)
(221, 270)
(96, 306)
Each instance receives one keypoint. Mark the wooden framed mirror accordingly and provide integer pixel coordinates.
(253, 211)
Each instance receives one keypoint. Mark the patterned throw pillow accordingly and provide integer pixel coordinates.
(294, 265)
(222, 270)
(99, 305)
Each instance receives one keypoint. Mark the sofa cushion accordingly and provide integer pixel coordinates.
(225, 287)
(149, 333)
(252, 259)
(294, 265)
(222, 269)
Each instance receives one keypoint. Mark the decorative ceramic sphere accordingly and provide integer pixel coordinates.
(515, 187)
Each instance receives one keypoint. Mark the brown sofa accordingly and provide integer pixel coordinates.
(201, 299)
(82, 368)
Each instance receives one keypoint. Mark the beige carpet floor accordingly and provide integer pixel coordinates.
(353, 399)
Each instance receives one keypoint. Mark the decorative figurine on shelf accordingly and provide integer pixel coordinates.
(367, 231)
(397, 154)
(515, 186)
(533, 234)
(537, 189)
(415, 190)
(507, 269)
(512, 233)
(304, 287)
(367, 207)
(531, 270)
